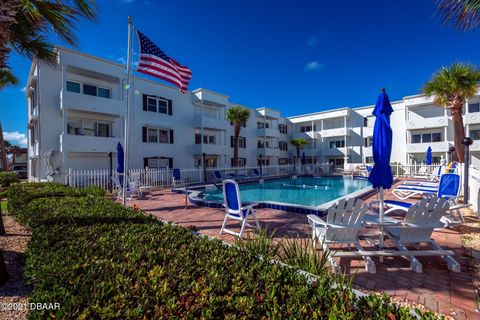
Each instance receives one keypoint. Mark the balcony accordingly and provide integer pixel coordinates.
(367, 151)
(209, 149)
(209, 123)
(33, 115)
(267, 132)
(335, 152)
(472, 118)
(305, 135)
(422, 147)
(309, 152)
(423, 123)
(84, 102)
(33, 150)
(475, 146)
(268, 152)
(269, 113)
(337, 132)
(77, 143)
(367, 132)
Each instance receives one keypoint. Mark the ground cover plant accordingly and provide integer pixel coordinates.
(7, 178)
(100, 260)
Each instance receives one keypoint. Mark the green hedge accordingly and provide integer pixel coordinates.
(8, 178)
(100, 260)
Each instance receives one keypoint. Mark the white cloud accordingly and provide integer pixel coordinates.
(15, 136)
(122, 60)
(23, 89)
(314, 65)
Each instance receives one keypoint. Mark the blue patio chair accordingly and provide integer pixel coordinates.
(234, 209)
(449, 188)
(176, 178)
(218, 175)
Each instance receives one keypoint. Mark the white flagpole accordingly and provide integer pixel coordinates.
(128, 98)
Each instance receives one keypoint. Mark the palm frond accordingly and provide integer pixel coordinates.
(7, 78)
(462, 14)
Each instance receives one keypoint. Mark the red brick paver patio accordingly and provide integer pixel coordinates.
(436, 288)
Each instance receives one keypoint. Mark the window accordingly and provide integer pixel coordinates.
(474, 107)
(207, 139)
(241, 142)
(308, 128)
(73, 86)
(89, 128)
(416, 138)
(283, 128)
(261, 125)
(437, 137)
(261, 144)
(337, 144)
(152, 135)
(282, 161)
(369, 160)
(103, 130)
(368, 142)
(90, 90)
(427, 137)
(104, 93)
(369, 122)
(475, 134)
(283, 145)
(211, 162)
(157, 135)
(163, 136)
(157, 104)
(241, 162)
(365, 122)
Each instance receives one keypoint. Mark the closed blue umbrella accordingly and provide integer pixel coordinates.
(429, 156)
(120, 162)
(381, 176)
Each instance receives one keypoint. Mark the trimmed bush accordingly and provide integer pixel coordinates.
(100, 260)
(7, 178)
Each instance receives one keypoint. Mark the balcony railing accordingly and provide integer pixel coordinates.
(422, 147)
(84, 102)
(77, 143)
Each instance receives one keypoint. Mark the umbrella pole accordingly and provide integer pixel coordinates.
(381, 213)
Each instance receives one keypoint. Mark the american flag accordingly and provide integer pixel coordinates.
(155, 62)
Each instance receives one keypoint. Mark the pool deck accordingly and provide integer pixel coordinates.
(436, 288)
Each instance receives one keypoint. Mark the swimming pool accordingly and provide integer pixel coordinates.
(312, 193)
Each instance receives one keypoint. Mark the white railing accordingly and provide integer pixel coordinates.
(163, 177)
(414, 170)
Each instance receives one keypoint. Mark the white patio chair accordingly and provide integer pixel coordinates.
(132, 189)
(177, 180)
(449, 187)
(344, 221)
(234, 209)
(420, 221)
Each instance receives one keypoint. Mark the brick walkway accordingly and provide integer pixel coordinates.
(436, 288)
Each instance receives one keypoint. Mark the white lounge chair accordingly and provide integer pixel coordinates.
(344, 221)
(420, 221)
(432, 181)
(450, 187)
(234, 209)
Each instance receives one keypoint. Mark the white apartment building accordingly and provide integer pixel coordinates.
(77, 105)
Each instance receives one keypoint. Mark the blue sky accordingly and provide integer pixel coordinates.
(295, 56)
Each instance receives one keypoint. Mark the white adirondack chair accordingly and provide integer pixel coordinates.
(344, 221)
(420, 221)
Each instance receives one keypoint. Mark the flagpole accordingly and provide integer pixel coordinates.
(128, 98)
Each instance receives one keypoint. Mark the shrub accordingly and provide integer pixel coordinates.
(7, 178)
(101, 260)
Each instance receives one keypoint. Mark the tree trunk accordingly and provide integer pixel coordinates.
(2, 226)
(3, 151)
(458, 130)
(298, 152)
(8, 11)
(235, 146)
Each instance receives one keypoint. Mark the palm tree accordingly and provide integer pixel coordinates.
(451, 87)
(3, 150)
(462, 14)
(298, 143)
(237, 116)
(26, 24)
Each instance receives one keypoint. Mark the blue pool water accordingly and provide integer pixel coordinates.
(305, 191)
